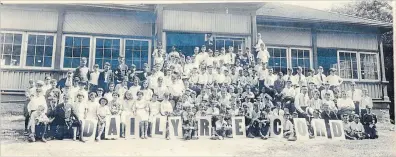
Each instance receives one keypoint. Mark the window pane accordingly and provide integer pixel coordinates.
(40, 40)
(68, 52)
(18, 39)
(9, 38)
(49, 40)
(69, 41)
(16, 50)
(31, 50)
(107, 43)
(39, 50)
(75, 62)
(107, 53)
(77, 42)
(30, 61)
(115, 53)
(99, 53)
(77, 52)
(135, 50)
(47, 61)
(85, 52)
(38, 61)
(32, 40)
(99, 43)
(48, 51)
(99, 62)
(67, 62)
(85, 42)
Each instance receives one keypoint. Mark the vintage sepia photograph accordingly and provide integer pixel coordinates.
(197, 78)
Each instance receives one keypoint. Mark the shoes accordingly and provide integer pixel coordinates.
(43, 140)
(250, 136)
(97, 139)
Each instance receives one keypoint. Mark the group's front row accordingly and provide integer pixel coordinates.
(63, 118)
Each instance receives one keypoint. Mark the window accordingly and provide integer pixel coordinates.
(40, 50)
(327, 58)
(278, 59)
(369, 66)
(301, 57)
(348, 66)
(136, 52)
(283, 58)
(184, 42)
(75, 49)
(107, 50)
(225, 42)
(10, 46)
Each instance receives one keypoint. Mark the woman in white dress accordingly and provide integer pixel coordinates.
(128, 110)
(142, 111)
(147, 92)
(92, 105)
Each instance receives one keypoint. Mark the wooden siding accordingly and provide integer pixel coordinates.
(374, 88)
(16, 80)
(107, 23)
(28, 19)
(188, 21)
(346, 40)
(285, 36)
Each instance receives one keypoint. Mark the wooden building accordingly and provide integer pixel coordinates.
(39, 40)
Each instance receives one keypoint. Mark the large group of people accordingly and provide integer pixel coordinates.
(221, 84)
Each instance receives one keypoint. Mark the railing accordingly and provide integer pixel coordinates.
(375, 89)
(18, 80)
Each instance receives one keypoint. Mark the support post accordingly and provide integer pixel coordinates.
(382, 65)
(59, 34)
(159, 24)
(253, 29)
(314, 43)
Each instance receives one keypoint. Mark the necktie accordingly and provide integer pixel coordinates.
(299, 78)
(321, 77)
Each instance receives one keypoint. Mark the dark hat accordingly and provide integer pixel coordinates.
(107, 101)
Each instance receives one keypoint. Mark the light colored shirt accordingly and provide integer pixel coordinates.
(301, 100)
(263, 74)
(334, 80)
(356, 95)
(345, 103)
(357, 127)
(298, 79)
(320, 79)
(288, 92)
(35, 102)
(92, 107)
(166, 106)
(366, 102)
(270, 80)
(134, 90)
(94, 76)
(323, 93)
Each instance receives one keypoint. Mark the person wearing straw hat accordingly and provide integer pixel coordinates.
(102, 112)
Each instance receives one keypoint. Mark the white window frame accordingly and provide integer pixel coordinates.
(300, 48)
(358, 64)
(22, 57)
(27, 44)
(378, 66)
(289, 56)
(64, 45)
(244, 43)
(148, 50)
(93, 58)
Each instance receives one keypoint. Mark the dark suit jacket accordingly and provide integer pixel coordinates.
(101, 79)
(62, 83)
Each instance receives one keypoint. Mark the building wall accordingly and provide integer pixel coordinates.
(347, 40)
(272, 35)
(28, 19)
(188, 21)
(106, 23)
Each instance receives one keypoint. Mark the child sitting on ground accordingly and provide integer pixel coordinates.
(38, 124)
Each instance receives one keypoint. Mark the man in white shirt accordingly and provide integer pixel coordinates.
(82, 70)
(94, 78)
(202, 56)
(161, 89)
(327, 90)
(289, 75)
(320, 77)
(270, 79)
(288, 91)
(334, 79)
(210, 76)
(262, 74)
(299, 78)
(37, 99)
(356, 95)
(301, 102)
(263, 53)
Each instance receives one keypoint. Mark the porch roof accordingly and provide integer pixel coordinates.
(291, 13)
